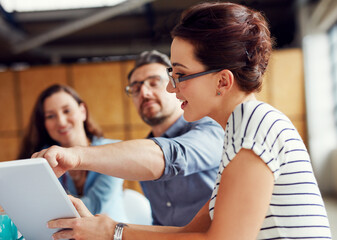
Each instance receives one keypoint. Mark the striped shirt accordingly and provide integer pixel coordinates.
(296, 210)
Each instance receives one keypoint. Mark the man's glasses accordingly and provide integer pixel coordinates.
(152, 82)
(174, 81)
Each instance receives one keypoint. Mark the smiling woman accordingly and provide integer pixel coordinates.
(61, 117)
(53, 113)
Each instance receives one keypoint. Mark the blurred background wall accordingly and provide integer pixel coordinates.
(102, 86)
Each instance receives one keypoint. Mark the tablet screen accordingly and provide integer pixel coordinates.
(31, 195)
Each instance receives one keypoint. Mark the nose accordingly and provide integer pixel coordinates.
(61, 120)
(170, 88)
(145, 91)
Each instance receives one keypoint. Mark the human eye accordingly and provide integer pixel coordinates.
(154, 81)
(49, 116)
(66, 110)
(177, 74)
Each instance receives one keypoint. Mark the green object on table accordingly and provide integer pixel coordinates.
(8, 230)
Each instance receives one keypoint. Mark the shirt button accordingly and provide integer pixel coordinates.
(168, 204)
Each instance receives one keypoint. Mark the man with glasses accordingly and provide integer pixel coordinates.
(177, 164)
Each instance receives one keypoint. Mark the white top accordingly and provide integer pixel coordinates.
(296, 210)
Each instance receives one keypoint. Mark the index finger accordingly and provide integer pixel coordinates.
(49, 155)
(38, 154)
(62, 223)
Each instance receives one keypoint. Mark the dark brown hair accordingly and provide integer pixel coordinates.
(37, 137)
(148, 57)
(228, 36)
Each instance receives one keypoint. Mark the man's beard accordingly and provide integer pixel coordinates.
(155, 120)
(152, 119)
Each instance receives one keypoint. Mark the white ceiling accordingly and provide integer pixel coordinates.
(42, 5)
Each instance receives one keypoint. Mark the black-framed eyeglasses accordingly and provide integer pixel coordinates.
(152, 82)
(174, 81)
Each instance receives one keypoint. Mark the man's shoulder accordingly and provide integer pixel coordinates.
(206, 124)
(205, 121)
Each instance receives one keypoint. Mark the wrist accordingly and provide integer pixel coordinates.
(119, 231)
(79, 153)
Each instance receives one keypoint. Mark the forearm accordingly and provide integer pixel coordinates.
(139, 160)
(196, 229)
(136, 234)
(141, 232)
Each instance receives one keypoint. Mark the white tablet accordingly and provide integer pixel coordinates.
(31, 195)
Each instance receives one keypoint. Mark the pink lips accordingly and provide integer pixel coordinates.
(183, 105)
(63, 131)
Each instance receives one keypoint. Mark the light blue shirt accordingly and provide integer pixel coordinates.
(192, 152)
(101, 193)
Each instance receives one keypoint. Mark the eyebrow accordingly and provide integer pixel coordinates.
(52, 111)
(151, 76)
(175, 64)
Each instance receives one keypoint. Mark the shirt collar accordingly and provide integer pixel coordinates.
(173, 129)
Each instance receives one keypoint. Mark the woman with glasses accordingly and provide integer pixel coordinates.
(265, 187)
(61, 117)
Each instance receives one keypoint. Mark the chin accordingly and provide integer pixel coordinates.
(191, 118)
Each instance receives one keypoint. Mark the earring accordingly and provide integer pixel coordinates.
(218, 93)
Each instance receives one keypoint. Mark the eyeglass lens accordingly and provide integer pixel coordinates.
(188, 77)
(152, 82)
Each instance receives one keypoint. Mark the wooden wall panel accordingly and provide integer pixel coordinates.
(9, 147)
(127, 67)
(33, 81)
(139, 132)
(100, 86)
(287, 86)
(301, 126)
(264, 94)
(283, 87)
(114, 134)
(8, 121)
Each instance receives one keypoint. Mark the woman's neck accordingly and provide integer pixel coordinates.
(227, 106)
(82, 141)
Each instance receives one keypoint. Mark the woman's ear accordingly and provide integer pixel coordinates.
(83, 111)
(226, 81)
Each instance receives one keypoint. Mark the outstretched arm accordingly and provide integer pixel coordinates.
(140, 159)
